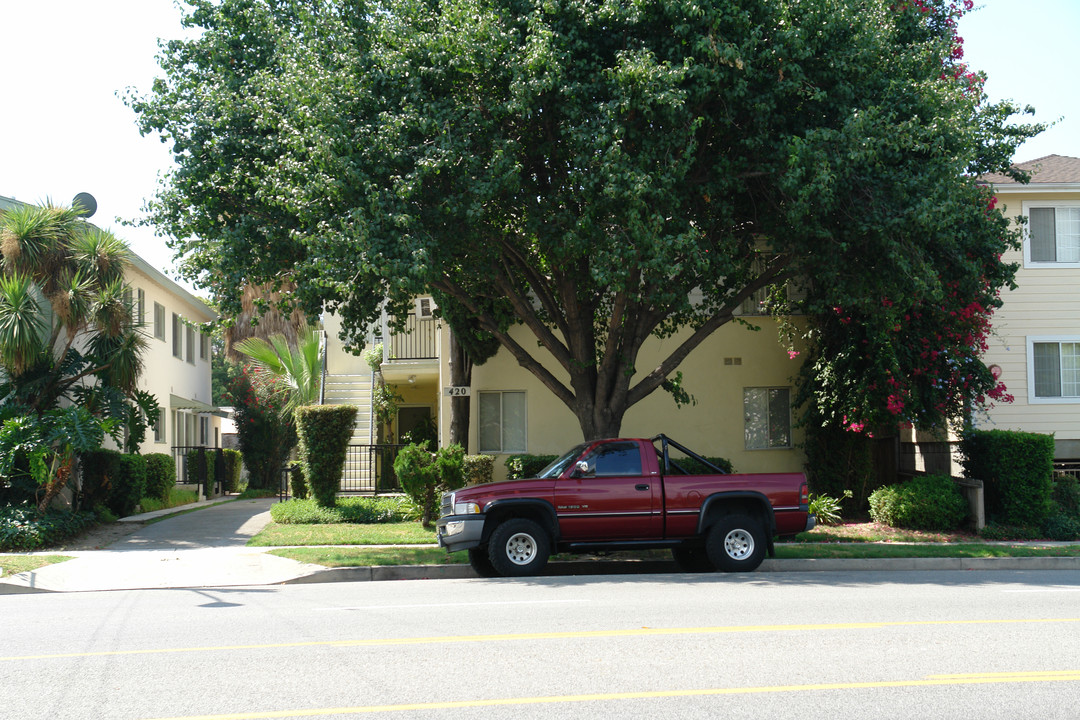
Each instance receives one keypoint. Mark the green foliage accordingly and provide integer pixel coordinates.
(1063, 522)
(195, 462)
(384, 403)
(423, 475)
(999, 531)
(160, 475)
(626, 155)
(23, 528)
(233, 465)
(373, 356)
(133, 473)
(297, 483)
(345, 510)
(174, 497)
(265, 432)
(478, 469)
(693, 467)
(926, 502)
(840, 463)
(299, 369)
(827, 508)
(425, 433)
(324, 432)
(526, 466)
(1017, 473)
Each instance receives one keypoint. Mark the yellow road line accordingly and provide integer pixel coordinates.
(932, 680)
(570, 635)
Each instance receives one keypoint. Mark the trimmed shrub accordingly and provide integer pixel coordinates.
(1016, 469)
(297, 483)
(234, 463)
(347, 510)
(693, 467)
(424, 475)
(193, 463)
(324, 432)
(109, 480)
(160, 475)
(479, 469)
(526, 466)
(23, 528)
(133, 471)
(926, 502)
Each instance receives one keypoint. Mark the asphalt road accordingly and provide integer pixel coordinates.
(807, 645)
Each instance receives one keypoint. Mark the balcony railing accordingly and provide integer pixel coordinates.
(415, 342)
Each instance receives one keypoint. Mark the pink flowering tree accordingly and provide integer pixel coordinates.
(265, 429)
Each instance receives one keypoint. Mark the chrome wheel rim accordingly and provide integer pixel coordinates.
(739, 544)
(521, 548)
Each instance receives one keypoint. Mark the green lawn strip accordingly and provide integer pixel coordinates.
(15, 564)
(399, 533)
(368, 556)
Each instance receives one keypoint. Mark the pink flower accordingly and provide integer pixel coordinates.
(792, 354)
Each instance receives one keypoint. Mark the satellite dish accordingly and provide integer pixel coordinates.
(84, 204)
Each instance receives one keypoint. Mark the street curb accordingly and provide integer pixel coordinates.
(586, 567)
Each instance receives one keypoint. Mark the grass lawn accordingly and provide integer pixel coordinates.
(15, 564)
(399, 533)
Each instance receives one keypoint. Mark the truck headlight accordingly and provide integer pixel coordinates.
(466, 508)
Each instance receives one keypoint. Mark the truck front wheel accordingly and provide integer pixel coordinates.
(736, 543)
(518, 547)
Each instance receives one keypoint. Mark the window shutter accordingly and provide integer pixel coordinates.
(1043, 235)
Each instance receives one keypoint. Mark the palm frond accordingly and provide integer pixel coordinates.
(23, 333)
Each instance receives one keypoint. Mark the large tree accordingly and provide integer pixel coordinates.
(601, 173)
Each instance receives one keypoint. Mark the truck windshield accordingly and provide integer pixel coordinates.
(559, 465)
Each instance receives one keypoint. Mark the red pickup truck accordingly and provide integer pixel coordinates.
(624, 494)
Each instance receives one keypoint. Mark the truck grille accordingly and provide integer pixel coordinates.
(447, 504)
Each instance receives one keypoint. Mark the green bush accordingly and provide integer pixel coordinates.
(324, 432)
(423, 475)
(926, 502)
(22, 528)
(1017, 473)
(194, 461)
(133, 470)
(839, 460)
(997, 531)
(160, 475)
(297, 483)
(479, 469)
(234, 462)
(826, 508)
(347, 510)
(1063, 522)
(110, 480)
(526, 466)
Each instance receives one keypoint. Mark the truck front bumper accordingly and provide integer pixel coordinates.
(459, 532)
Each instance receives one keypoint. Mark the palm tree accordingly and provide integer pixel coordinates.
(298, 367)
(66, 330)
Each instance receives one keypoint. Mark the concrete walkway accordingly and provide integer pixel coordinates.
(207, 548)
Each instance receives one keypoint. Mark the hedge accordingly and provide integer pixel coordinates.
(926, 502)
(160, 475)
(324, 432)
(1017, 472)
(479, 469)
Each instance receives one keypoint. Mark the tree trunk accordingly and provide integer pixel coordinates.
(460, 376)
(63, 472)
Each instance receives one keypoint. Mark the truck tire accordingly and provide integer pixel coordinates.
(518, 547)
(692, 559)
(481, 563)
(736, 543)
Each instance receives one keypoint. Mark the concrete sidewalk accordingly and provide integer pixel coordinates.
(207, 549)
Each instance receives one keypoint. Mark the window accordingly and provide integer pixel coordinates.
(204, 346)
(140, 307)
(204, 430)
(159, 428)
(190, 340)
(620, 459)
(502, 422)
(177, 337)
(159, 321)
(1053, 234)
(767, 418)
(129, 303)
(1054, 369)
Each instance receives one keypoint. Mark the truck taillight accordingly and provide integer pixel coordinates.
(804, 494)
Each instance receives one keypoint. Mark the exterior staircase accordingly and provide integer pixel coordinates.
(354, 390)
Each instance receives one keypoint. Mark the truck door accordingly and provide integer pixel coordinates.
(613, 499)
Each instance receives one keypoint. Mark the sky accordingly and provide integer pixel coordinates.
(66, 63)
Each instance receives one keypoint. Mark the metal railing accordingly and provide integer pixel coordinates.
(368, 469)
(1068, 467)
(415, 342)
(202, 466)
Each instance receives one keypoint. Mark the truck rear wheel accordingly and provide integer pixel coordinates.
(518, 547)
(736, 543)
